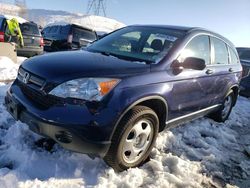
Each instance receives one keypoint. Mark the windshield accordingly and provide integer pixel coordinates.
(138, 43)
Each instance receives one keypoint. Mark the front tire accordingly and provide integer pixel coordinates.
(133, 139)
(223, 113)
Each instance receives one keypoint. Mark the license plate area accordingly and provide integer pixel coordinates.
(27, 41)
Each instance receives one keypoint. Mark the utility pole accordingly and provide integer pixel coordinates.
(98, 7)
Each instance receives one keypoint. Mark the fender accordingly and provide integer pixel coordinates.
(158, 97)
(236, 96)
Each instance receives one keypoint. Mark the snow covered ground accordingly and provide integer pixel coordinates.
(8, 69)
(201, 153)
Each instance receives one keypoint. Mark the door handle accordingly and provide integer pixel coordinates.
(209, 71)
(231, 70)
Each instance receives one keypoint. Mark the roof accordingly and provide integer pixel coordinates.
(68, 23)
(183, 28)
(189, 30)
(198, 29)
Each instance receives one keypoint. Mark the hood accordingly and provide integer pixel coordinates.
(63, 66)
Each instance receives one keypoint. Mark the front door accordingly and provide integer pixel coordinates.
(192, 89)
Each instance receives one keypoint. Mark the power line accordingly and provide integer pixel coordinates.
(98, 7)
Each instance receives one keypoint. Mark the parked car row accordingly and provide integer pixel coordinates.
(32, 38)
(52, 38)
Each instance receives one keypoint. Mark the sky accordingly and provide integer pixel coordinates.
(231, 18)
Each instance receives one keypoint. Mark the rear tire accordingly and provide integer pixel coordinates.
(133, 139)
(223, 113)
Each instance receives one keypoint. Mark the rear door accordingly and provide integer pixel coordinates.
(31, 35)
(221, 69)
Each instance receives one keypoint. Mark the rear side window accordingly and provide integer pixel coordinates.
(85, 34)
(221, 55)
(30, 29)
(233, 57)
(198, 47)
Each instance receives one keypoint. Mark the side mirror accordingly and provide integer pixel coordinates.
(194, 63)
(190, 63)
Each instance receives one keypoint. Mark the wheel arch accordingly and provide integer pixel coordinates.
(235, 89)
(156, 103)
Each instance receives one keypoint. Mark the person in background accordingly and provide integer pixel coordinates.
(14, 32)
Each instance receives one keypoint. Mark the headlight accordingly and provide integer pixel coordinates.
(91, 89)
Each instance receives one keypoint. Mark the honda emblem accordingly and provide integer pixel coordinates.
(26, 77)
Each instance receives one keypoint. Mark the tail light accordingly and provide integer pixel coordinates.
(1, 36)
(70, 38)
(41, 42)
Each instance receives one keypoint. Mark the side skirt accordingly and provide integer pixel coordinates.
(183, 119)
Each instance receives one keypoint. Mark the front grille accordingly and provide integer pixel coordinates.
(38, 98)
(26, 77)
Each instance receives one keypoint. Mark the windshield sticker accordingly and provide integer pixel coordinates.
(167, 37)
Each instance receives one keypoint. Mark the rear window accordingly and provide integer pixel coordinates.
(85, 34)
(30, 29)
(65, 29)
(45, 30)
(53, 29)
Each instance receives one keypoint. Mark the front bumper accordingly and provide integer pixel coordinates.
(72, 137)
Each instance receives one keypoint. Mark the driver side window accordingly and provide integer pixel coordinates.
(198, 47)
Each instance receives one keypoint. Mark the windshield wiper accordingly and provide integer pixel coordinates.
(128, 58)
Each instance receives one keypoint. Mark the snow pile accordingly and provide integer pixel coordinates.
(8, 69)
(201, 153)
(21, 59)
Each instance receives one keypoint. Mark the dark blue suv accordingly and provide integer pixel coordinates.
(113, 98)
